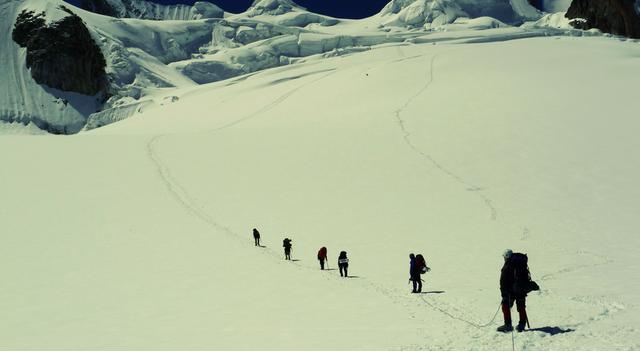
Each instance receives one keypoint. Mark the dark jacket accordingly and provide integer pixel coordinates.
(413, 268)
(514, 276)
(507, 277)
(256, 234)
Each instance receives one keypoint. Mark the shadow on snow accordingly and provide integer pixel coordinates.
(552, 330)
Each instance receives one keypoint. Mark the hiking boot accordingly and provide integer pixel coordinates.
(505, 328)
(520, 327)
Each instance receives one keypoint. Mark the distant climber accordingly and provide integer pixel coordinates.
(515, 284)
(417, 266)
(343, 263)
(256, 236)
(286, 243)
(322, 256)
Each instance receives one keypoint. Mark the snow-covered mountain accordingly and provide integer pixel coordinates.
(151, 10)
(417, 13)
(206, 45)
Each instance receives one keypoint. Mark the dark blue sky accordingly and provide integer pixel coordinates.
(334, 8)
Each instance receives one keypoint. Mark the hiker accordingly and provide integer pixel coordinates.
(286, 243)
(417, 266)
(256, 236)
(515, 284)
(322, 256)
(343, 263)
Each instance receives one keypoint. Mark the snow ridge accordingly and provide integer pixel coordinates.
(416, 13)
(419, 12)
(272, 7)
(149, 10)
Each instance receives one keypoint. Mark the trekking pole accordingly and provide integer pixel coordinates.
(528, 326)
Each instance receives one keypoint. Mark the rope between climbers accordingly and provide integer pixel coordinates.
(462, 319)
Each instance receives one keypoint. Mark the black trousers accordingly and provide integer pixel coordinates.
(287, 253)
(321, 263)
(417, 283)
(343, 269)
(257, 240)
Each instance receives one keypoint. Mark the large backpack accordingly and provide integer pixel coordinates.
(342, 258)
(522, 282)
(421, 264)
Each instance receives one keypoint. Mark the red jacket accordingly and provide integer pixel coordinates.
(322, 254)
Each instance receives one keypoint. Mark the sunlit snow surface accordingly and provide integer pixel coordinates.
(137, 235)
(145, 56)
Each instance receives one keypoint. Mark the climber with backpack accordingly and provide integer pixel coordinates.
(286, 243)
(343, 263)
(417, 266)
(515, 284)
(322, 256)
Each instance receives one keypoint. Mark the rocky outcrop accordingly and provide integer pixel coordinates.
(61, 55)
(618, 17)
(150, 10)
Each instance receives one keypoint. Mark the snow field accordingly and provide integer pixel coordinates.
(139, 235)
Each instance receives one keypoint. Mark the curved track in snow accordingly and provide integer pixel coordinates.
(406, 134)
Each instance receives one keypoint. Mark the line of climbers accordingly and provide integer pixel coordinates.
(515, 279)
(343, 261)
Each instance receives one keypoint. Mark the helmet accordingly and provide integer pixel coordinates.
(507, 254)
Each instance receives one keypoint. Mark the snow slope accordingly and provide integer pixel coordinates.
(144, 56)
(139, 237)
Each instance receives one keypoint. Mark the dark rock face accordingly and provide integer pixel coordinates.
(61, 55)
(611, 16)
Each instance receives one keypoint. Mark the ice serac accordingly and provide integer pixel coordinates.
(620, 17)
(150, 10)
(272, 7)
(416, 13)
